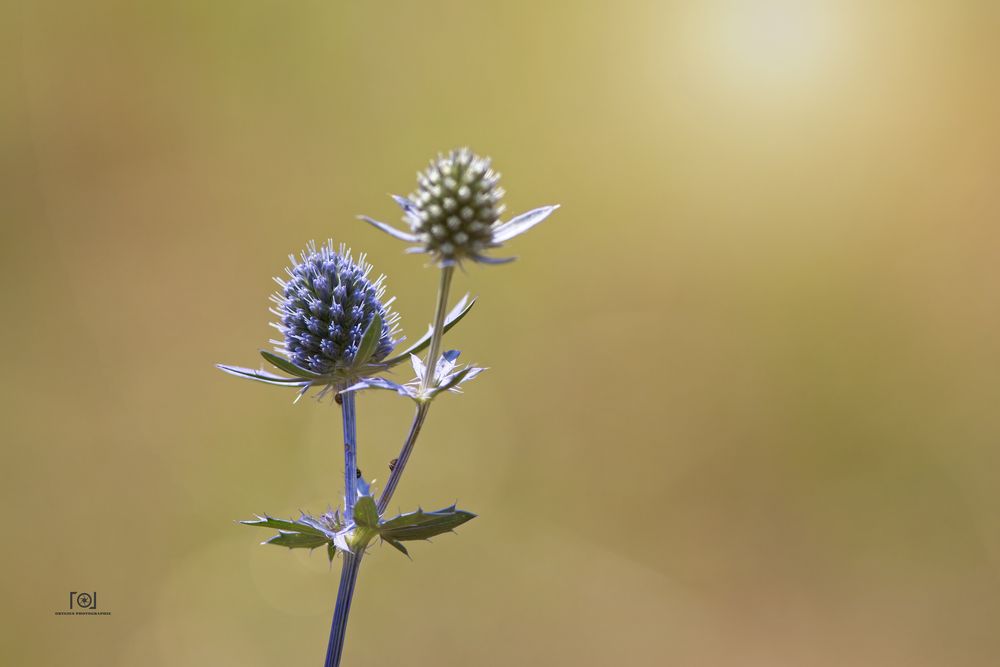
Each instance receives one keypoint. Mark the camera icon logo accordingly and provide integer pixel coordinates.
(79, 600)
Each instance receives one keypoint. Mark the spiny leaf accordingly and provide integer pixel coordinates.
(421, 525)
(298, 540)
(288, 526)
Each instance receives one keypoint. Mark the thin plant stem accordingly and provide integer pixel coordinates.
(350, 454)
(338, 631)
(352, 562)
(423, 407)
(437, 333)
(404, 456)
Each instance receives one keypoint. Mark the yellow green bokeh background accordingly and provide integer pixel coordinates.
(743, 399)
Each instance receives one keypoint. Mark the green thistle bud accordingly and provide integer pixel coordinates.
(456, 204)
(454, 214)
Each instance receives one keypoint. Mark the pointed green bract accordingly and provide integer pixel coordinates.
(369, 340)
(365, 512)
(365, 523)
(309, 532)
(397, 545)
(287, 366)
(359, 538)
(298, 540)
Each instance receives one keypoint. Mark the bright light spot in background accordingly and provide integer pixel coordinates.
(773, 44)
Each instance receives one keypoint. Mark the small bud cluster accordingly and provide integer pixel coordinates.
(456, 205)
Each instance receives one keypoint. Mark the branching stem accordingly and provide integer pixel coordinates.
(404, 456)
(352, 562)
(437, 333)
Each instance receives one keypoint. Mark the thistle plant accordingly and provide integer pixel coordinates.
(339, 335)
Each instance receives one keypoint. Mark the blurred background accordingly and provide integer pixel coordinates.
(743, 400)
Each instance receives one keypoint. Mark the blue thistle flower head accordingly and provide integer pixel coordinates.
(325, 306)
(337, 328)
(454, 214)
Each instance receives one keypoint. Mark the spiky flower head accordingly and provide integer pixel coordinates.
(336, 327)
(456, 204)
(454, 214)
(325, 306)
